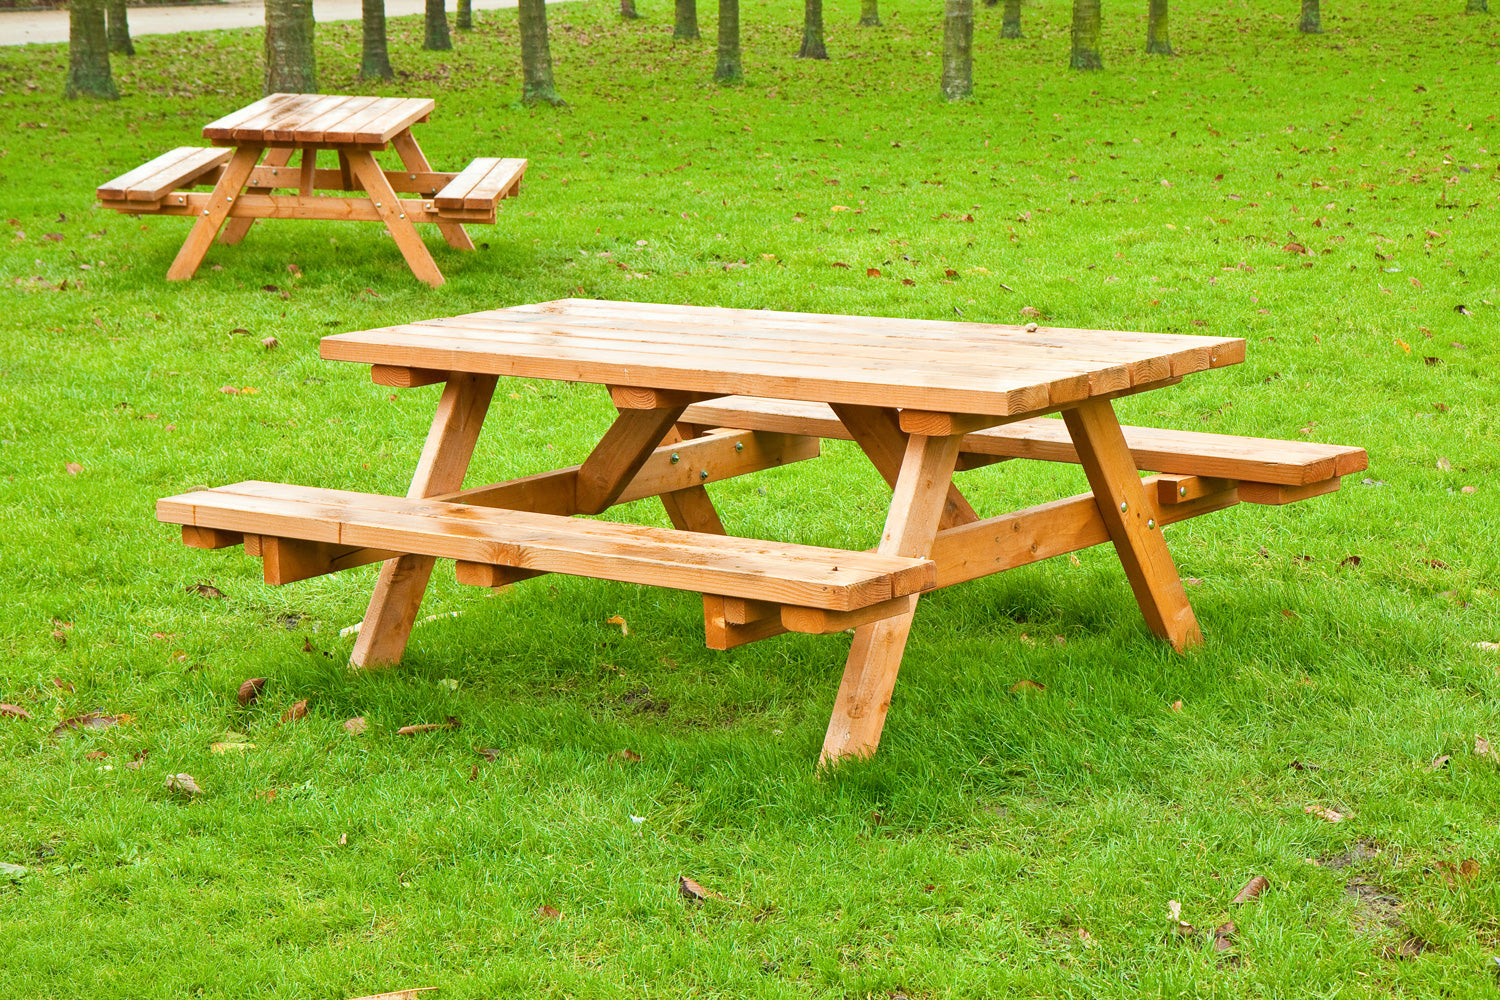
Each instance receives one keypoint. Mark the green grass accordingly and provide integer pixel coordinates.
(992, 828)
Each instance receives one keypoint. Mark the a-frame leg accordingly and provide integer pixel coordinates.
(236, 172)
(235, 229)
(370, 177)
(1134, 522)
(878, 433)
(415, 162)
(445, 460)
(917, 507)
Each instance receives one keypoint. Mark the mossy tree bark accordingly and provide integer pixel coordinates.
(1085, 36)
(685, 25)
(290, 65)
(465, 19)
(869, 13)
(958, 49)
(628, 11)
(813, 46)
(375, 53)
(435, 21)
(119, 28)
(536, 55)
(1158, 42)
(1010, 20)
(1312, 20)
(728, 68)
(88, 53)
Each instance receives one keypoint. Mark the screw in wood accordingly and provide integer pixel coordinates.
(1124, 506)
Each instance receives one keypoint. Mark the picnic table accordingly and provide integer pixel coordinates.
(353, 128)
(704, 394)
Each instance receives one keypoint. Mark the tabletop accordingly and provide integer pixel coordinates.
(952, 367)
(319, 120)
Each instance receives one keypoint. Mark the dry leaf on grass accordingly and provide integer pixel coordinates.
(1482, 748)
(73, 468)
(548, 912)
(206, 590)
(89, 720)
(1025, 686)
(1438, 763)
(491, 754)
(1252, 889)
(356, 725)
(250, 691)
(1224, 936)
(412, 994)
(231, 743)
(617, 620)
(183, 783)
(628, 756)
(427, 727)
(1177, 705)
(296, 712)
(14, 711)
(693, 891)
(1179, 926)
(1324, 813)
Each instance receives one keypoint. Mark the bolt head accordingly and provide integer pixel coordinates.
(1124, 506)
(1182, 491)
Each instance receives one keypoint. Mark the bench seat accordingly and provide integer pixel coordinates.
(481, 185)
(142, 188)
(326, 522)
(1296, 464)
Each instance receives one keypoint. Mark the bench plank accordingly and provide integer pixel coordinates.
(1194, 453)
(811, 576)
(154, 179)
(481, 184)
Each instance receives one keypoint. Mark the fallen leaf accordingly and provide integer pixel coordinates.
(1324, 813)
(231, 743)
(1438, 763)
(229, 390)
(411, 994)
(296, 712)
(294, 270)
(839, 263)
(206, 590)
(1180, 926)
(249, 691)
(488, 753)
(1349, 561)
(1022, 686)
(1177, 705)
(629, 756)
(1294, 248)
(270, 343)
(356, 725)
(14, 711)
(617, 620)
(183, 783)
(548, 912)
(872, 272)
(1444, 465)
(428, 727)
(1252, 889)
(96, 755)
(693, 891)
(135, 762)
(89, 720)
(73, 468)
(62, 685)
(1482, 748)
(1224, 936)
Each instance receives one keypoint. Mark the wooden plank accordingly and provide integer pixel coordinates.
(405, 378)
(209, 538)
(445, 458)
(416, 164)
(1189, 453)
(503, 178)
(202, 235)
(931, 424)
(287, 560)
(235, 229)
(393, 214)
(881, 439)
(305, 174)
(377, 124)
(455, 191)
(743, 611)
(151, 181)
(1275, 494)
(329, 208)
(629, 397)
(1133, 521)
(272, 178)
(817, 621)
(221, 130)
(864, 694)
(289, 123)
(315, 130)
(1179, 489)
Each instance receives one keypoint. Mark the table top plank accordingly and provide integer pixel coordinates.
(289, 123)
(223, 128)
(377, 124)
(319, 119)
(316, 129)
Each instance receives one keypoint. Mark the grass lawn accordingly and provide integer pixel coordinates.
(1335, 199)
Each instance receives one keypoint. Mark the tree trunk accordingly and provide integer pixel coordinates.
(1312, 22)
(437, 38)
(119, 28)
(686, 25)
(290, 66)
(1157, 40)
(465, 19)
(375, 57)
(627, 10)
(958, 49)
(1010, 22)
(812, 31)
(1086, 35)
(88, 52)
(536, 55)
(1477, 7)
(869, 13)
(728, 68)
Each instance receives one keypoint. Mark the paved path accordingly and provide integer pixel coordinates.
(37, 26)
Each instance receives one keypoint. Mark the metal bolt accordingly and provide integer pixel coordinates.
(739, 446)
(675, 458)
(1124, 506)
(205, 211)
(413, 176)
(1151, 523)
(1182, 491)
(377, 204)
(403, 215)
(703, 474)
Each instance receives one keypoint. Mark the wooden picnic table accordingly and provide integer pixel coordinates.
(353, 128)
(704, 394)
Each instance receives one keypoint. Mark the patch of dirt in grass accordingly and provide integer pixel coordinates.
(639, 699)
(1360, 850)
(1374, 908)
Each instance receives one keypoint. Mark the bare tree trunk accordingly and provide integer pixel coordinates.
(627, 10)
(536, 55)
(119, 28)
(1086, 35)
(869, 13)
(685, 27)
(958, 49)
(375, 56)
(813, 46)
(728, 68)
(1010, 22)
(88, 53)
(290, 65)
(1312, 21)
(465, 19)
(1158, 42)
(1477, 7)
(435, 20)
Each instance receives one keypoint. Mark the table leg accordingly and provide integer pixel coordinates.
(379, 191)
(917, 507)
(416, 161)
(445, 460)
(235, 229)
(620, 454)
(878, 433)
(1133, 520)
(236, 172)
